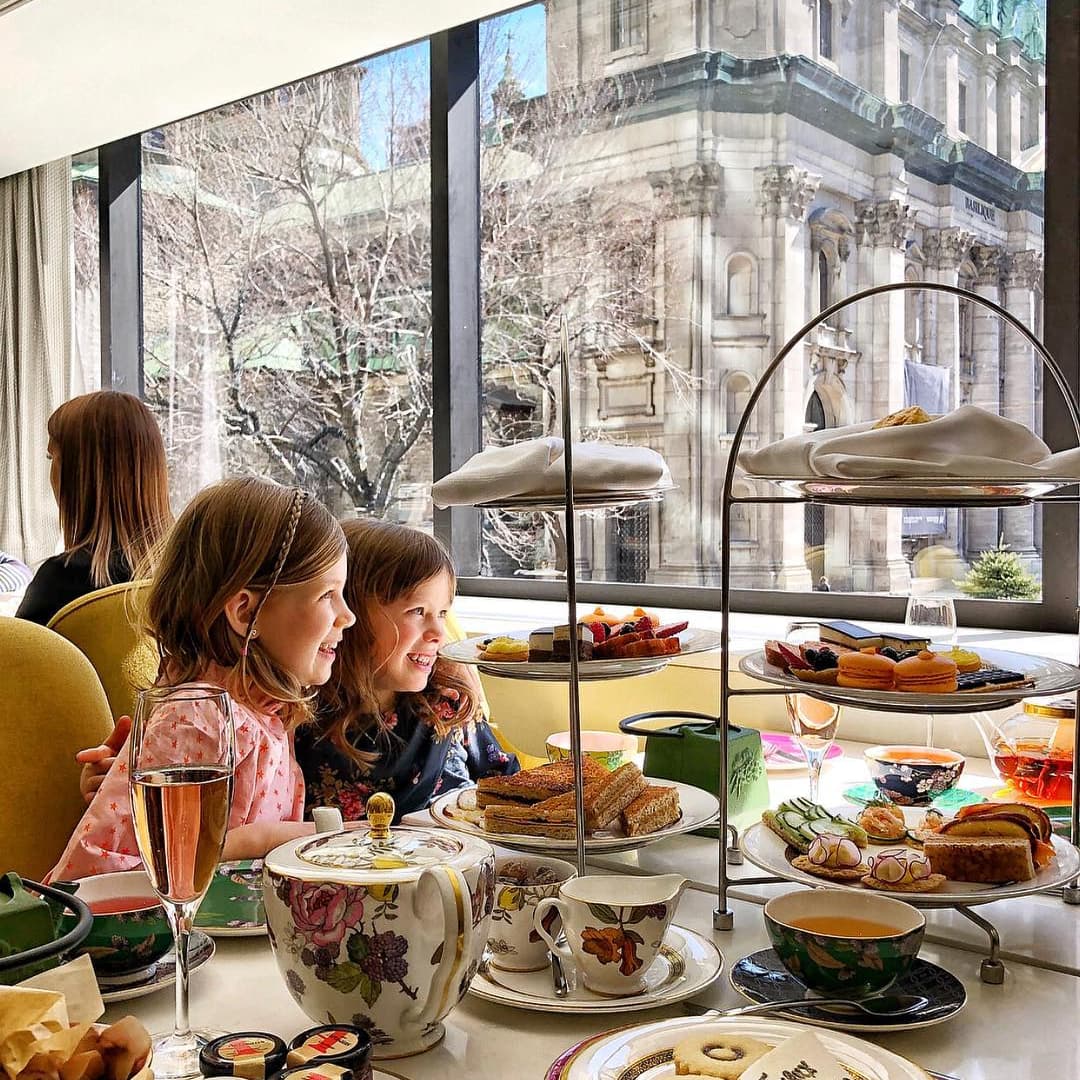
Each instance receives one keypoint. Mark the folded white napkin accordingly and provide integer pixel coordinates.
(969, 442)
(536, 468)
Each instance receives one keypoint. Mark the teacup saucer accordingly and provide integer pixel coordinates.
(158, 975)
(761, 977)
(233, 904)
(686, 964)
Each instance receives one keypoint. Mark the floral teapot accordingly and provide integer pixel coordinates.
(378, 928)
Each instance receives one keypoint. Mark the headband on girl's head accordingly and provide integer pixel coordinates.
(291, 525)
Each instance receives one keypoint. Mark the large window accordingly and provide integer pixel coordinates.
(287, 293)
(87, 268)
(685, 212)
(644, 210)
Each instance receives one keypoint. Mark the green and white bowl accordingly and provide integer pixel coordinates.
(833, 963)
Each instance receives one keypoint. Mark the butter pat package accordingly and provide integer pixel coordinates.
(803, 1057)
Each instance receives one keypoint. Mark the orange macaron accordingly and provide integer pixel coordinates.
(927, 673)
(865, 670)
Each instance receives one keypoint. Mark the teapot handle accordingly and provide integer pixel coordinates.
(628, 725)
(457, 937)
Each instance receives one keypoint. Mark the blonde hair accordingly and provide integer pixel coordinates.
(386, 561)
(113, 490)
(240, 534)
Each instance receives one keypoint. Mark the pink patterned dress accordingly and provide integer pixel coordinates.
(267, 786)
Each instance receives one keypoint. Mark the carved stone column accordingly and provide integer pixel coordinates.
(945, 250)
(882, 230)
(1023, 274)
(688, 198)
(983, 383)
(784, 194)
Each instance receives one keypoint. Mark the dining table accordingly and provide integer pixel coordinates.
(1027, 1028)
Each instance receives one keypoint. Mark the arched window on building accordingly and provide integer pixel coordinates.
(628, 544)
(742, 514)
(814, 519)
(824, 280)
(825, 29)
(737, 389)
(965, 317)
(913, 313)
(740, 285)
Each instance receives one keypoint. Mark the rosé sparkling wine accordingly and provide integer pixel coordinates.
(181, 814)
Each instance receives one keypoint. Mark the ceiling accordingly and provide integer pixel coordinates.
(74, 75)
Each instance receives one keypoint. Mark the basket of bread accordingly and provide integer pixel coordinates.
(49, 1031)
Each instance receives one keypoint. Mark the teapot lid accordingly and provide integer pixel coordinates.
(378, 853)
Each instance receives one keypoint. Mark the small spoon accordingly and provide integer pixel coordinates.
(558, 978)
(879, 1005)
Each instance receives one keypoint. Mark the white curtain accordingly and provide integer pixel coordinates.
(36, 369)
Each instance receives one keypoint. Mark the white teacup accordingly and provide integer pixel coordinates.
(614, 926)
(513, 943)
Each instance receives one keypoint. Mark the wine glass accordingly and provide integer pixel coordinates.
(181, 759)
(935, 615)
(813, 723)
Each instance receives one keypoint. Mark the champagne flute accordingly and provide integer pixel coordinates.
(181, 758)
(813, 722)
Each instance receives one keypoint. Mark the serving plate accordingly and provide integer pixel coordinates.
(468, 652)
(922, 491)
(762, 977)
(457, 810)
(1048, 676)
(769, 852)
(645, 1051)
(784, 754)
(686, 963)
(583, 500)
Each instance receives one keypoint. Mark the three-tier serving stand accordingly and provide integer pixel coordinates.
(978, 493)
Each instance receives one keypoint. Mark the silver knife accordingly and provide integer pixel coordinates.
(558, 979)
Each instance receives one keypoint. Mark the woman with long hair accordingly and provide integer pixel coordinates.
(111, 485)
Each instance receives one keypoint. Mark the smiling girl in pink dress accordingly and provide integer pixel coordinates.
(247, 596)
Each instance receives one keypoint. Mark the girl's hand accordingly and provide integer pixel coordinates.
(96, 761)
(255, 840)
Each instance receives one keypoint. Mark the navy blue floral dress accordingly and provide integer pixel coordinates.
(416, 764)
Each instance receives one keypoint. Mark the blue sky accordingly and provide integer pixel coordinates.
(395, 83)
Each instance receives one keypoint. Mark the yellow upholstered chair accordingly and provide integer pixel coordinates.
(455, 632)
(52, 706)
(101, 625)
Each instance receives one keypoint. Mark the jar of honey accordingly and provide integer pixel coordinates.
(1032, 750)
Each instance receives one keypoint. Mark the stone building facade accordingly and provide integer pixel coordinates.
(793, 153)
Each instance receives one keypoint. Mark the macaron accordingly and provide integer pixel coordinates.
(927, 673)
(865, 670)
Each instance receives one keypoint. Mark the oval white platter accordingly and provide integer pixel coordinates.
(645, 1051)
(468, 652)
(767, 850)
(687, 963)
(1048, 676)
(457, 810)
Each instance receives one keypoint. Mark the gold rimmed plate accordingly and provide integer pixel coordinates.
(1046, 676)
(686, 963)
(646, 1051)
(457, 810)
(769, 852)
(468, 652)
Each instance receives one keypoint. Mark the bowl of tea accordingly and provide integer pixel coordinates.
(130, 930)
(843, 941)
(913, 775)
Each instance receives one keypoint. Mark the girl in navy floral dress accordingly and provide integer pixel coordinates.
(394, 717)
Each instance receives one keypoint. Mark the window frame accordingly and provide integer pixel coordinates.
(455, 172)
